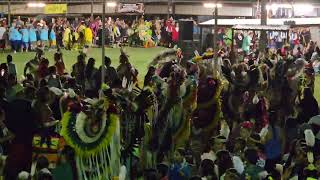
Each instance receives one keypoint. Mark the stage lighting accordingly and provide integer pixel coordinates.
(32, 4)
(212, 5)
(111, 4)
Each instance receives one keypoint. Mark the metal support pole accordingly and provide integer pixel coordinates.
(92, 9)
(215, 16)
(103, 39)
(201, 42)
(232, 45)
(263, 36)
(173, 6)
(288, 36)
(9, 13)
(169, 9)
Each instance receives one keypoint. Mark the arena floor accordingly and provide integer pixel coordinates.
(139, 57)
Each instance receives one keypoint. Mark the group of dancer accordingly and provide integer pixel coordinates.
(78, 33)
(203, 118)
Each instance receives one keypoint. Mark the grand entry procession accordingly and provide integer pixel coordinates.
(159, 90)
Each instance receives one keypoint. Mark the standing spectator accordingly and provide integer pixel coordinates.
(111, 73)
(2, 37)
(90, 83)
(25, 38)
(59, 30)
(16, 38)
(11, 66)
(44, 115)
(67, 37)
(88, 36)
(43, 35)
(19, 22)
(175, 34)
(32, 37)
(60, 66)
(43, 70)
(21, 121)
(52, 37)
(78, 70)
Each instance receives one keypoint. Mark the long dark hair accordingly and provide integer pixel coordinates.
(307, 94)
(89, 68)
(224, 161)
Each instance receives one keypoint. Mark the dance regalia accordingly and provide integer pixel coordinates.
(145, 34)
(95, 137)
(67, 38)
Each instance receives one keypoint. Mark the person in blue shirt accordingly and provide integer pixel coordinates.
(32, 37)
(44, 36)
(25, 38)
(52, 37)
(179, 169)
(16, 38)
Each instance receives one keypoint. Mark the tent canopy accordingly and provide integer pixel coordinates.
(262, 27)
(231, 22)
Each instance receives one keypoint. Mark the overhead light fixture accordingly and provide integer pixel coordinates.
(212, 5)
(111, 4)
(32, 4)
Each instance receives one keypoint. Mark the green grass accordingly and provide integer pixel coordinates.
(317, 89)
(139, 57)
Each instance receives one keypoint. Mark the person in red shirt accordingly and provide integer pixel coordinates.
(175, 33)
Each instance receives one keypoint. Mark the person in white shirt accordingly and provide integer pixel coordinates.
(2, 37)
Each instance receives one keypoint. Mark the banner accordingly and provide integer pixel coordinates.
(55, 9)
(131, 8)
